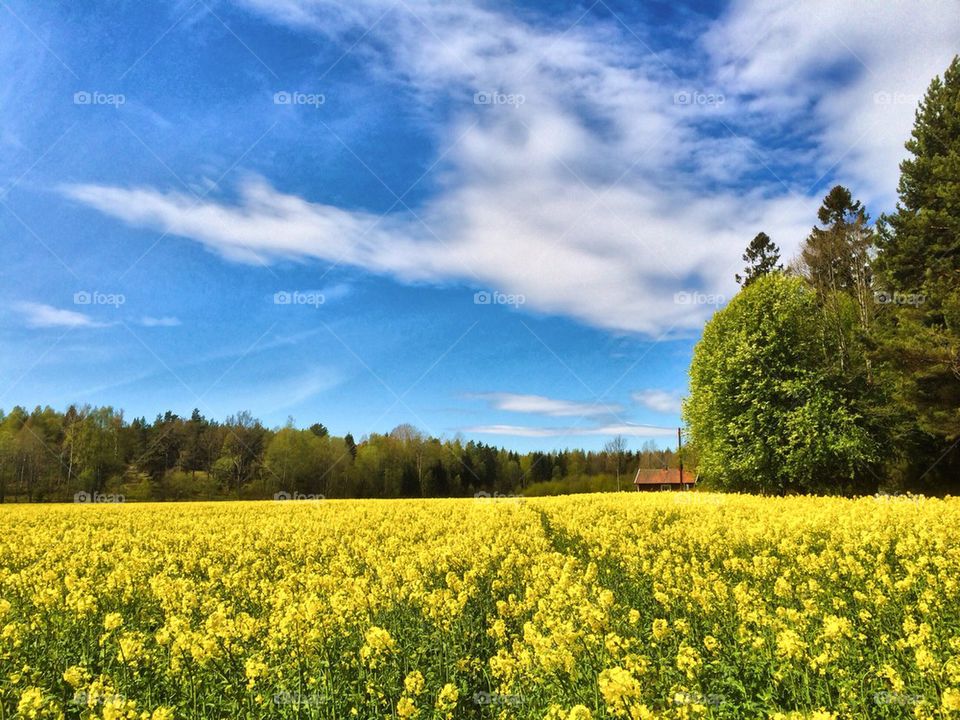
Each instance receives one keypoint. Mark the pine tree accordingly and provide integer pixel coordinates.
(835, 256)
(919, 267)
(762, 256)
(920, 242)
(835, 261)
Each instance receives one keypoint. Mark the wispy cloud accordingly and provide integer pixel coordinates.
(662, 401)
(541, 405)
(282, 394)
(785, 64)
(148, 321)
(570, 181)
(622, 196)
(39, 315)
(625, 429)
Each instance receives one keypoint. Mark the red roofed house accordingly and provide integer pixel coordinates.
(663, 479)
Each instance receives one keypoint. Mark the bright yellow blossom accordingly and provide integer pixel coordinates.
(567, 607)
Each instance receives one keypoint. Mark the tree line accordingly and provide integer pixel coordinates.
(840, 373)
(47, 455)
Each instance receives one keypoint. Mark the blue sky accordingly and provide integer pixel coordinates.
(506, 220)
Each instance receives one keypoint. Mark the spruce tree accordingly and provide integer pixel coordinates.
(762, 256)
(918, 266)
(834, 256)
(920, 242)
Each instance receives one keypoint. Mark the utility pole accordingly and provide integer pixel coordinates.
(680, 455)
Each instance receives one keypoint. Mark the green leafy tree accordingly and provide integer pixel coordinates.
(764, 412)
(46, 455)
(243, 448)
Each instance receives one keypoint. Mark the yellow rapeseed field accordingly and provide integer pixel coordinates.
(597, 606)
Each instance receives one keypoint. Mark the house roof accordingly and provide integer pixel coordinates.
(662, 476)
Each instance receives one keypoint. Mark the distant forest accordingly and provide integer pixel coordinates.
(94, 452)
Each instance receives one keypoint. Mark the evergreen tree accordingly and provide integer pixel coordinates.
(351, 444)
(919, 267)
(920, 242)
(835, 261)
(762, 256)
(836, 256)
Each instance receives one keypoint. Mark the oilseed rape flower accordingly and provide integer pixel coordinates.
(406, 708)
(620, 690)
(571, 608)
(378, 643)
(950, 700)
(414, 683)
(253, 670)
(75, 675)
(447, 700)
(112, 621)
(688, 660)
(34, 705)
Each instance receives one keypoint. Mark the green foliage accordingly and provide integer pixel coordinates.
(764, 411)
(834, 256)
(850, 378)
(920, 245)
(919, 267)
(319, 429)
(300, 461)
(763, 258)
(578, 484)
(46, 455)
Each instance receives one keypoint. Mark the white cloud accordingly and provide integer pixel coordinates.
(783, 54)
(39, 315)
(625, 429)
(598, 198)
(272, 396)
(540, 405)
(148, 321)
(661, 401)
